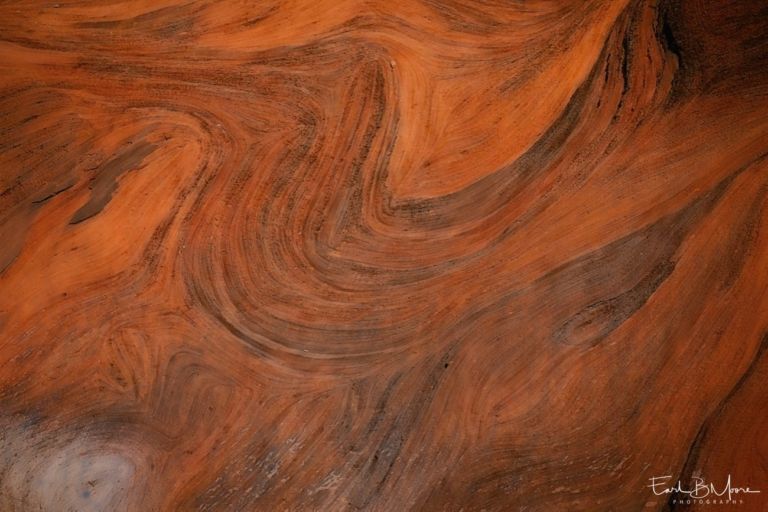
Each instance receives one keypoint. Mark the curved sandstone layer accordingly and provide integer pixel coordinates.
(371, 255)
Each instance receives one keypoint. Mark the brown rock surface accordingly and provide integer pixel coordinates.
(370, 255)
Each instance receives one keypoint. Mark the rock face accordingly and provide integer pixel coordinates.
(336, 255)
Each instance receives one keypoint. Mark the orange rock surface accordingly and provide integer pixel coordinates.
(454, 255)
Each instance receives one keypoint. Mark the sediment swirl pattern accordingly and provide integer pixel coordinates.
(364, 255)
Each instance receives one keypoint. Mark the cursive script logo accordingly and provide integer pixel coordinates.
(700, 488)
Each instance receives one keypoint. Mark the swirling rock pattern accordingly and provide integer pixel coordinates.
(364, 255)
